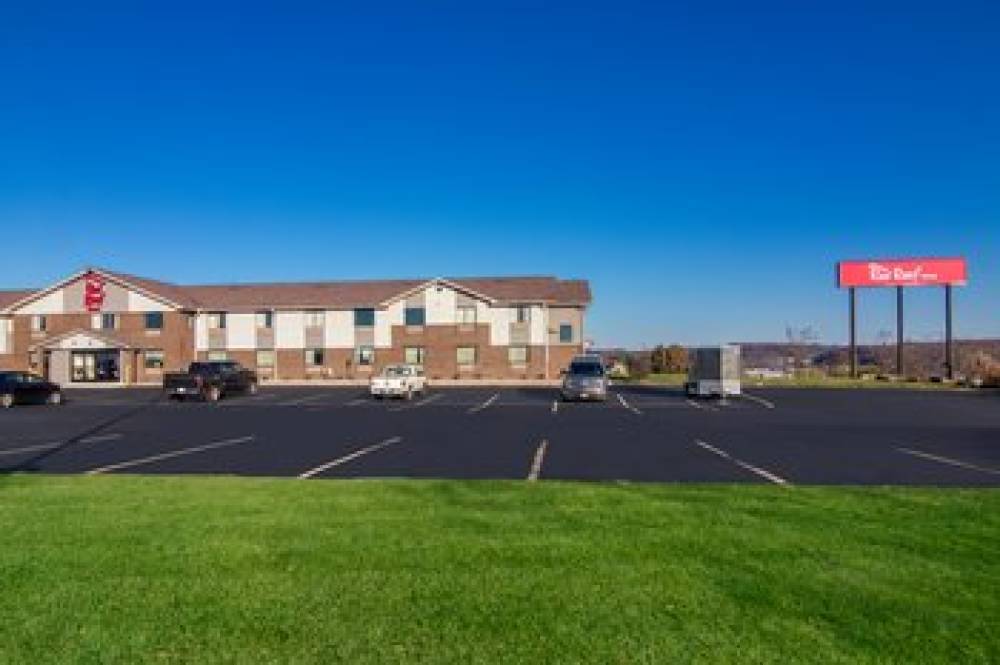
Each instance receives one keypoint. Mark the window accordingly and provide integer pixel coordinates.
(517, 355)
(364, 355)
(314, 318)
(415, 316)
(314, 357)
(364, 318)
(265, 359)
(414, 355)
(39, 323)
(109, 321)
(265, 319)
(154, 320)
(565, 333)
(217, 320)
(522, 314)
(217, 356)
(152, 359)
(465, 356)
(466, 316)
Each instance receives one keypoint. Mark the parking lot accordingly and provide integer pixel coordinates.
(640, 434)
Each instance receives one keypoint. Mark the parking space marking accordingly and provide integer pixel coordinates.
(97, 438)
(777, 480)
(171, 454)
(767, 404)
(628, 406)
(700, 407)
(302, 400)
(555, 406)
(55, 444)
(29, 449)
(536, 463)
(948, 460)
(484, 405)
(347, 458)
(417, 405)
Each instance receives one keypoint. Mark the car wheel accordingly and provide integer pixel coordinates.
(214, 394)
(55, 398)
(6, 401)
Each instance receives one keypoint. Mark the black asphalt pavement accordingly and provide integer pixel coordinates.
(849, 437)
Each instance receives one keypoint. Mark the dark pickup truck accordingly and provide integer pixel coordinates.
(210, 381)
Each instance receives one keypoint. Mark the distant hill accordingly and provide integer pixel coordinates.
(919, 358)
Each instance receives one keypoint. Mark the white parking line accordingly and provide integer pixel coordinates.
(484, 405)
(777, 480)
(555, 406)
(55, 444)
(302, 400)
(97, 438)
(767, 404)
(347, 458)
(628, 406)
(357, 401)
(171, 454)
(700, 407)
(29, 449)
(416, 405)
(536, 463)
(949, 460)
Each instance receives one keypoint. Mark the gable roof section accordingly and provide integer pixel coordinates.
(8, 298)
(137, 284)
(329, 295)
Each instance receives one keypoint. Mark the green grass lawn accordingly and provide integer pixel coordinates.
(146, 569)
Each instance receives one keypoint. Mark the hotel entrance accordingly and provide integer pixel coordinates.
(101, 366)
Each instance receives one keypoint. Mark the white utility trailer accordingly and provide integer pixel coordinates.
(714, 371)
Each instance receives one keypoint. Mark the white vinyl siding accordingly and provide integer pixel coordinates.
(339, 330)
(289, 330)
(241, 331)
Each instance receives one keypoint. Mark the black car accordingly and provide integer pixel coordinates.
(210, 381)
(27, 388)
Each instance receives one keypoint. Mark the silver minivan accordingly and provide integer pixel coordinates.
(585, 378)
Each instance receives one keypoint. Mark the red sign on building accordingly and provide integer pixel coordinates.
(903, 272)
(93, 292)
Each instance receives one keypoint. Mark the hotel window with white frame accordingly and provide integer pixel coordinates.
(217, 356)
(265, 319)
(154, 320)
(565, 333)
(414, 355)
(265, 359)
(517, 355)
(522, 314)
(314, 357)
(415, 316)
(108, 321)
(364, 355)
(39, 323)
(216, 320)
(152, 359)
(364, 318)
(465, 315)
(314, 318)
(465, 356)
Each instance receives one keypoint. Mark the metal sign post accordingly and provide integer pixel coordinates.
(902, 273)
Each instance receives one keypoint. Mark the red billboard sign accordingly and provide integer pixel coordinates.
(903, 272)
(93, 292)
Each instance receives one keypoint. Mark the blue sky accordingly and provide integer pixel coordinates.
(704, 166)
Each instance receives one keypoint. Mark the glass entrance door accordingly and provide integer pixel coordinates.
(95, 366)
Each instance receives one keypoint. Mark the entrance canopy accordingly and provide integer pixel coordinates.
(83, 340)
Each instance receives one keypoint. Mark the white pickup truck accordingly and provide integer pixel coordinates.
(399, 381)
